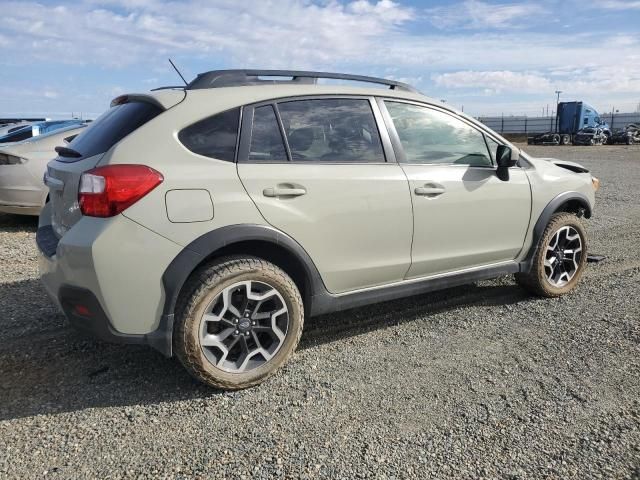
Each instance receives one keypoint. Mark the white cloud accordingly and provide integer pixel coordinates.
(619, 4)
(475, 14)
(269, 33)
(370, 37)
(494, 82)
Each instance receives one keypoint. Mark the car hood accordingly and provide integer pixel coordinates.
(573, 166)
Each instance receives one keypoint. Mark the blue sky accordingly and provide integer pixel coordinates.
(59, 57)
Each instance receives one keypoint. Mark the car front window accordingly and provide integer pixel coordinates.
(429, 136)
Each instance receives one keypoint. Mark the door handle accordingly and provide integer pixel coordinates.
(283, 192)
(430, 190)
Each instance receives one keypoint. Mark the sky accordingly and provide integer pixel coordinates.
(59, 58)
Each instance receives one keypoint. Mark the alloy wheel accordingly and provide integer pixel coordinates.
(244, 326)
(563, 255)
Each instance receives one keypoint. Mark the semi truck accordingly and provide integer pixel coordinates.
(571, 118)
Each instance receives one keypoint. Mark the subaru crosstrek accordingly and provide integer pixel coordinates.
(208, 221)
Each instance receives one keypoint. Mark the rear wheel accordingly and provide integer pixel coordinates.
(565, 140)
(560, 258)
(240, 319)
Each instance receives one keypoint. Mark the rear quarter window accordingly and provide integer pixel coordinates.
(213, 137)
(111, 127)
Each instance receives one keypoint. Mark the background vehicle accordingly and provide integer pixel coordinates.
(629, 135)
(591, 136)
(238, 205)
(12, 127)
(571, 118)
(38, 128)
(22, 166)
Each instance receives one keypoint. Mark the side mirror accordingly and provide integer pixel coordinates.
(506, 157)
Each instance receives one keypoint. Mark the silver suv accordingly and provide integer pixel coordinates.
(208, 221)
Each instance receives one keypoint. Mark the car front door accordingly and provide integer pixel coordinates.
(316, 169)
(464, 215)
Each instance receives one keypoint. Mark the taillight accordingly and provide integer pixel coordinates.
(107, 191)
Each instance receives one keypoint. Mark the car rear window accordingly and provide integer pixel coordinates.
(214, 136)
(18, 135)
(111, 127)
(266, 140)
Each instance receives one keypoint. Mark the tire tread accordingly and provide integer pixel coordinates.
(198, 284)
(535, 280)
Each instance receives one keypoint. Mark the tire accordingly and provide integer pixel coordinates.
(556, 139)
(209, 291)
(537, 280)
(565, 140)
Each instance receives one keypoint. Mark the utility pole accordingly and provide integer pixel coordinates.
(558, 92)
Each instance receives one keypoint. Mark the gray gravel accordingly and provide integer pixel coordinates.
(482, 381)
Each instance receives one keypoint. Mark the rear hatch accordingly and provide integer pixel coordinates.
(85, 151)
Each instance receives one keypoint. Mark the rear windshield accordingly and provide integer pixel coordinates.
(111, 127)
(18, 135)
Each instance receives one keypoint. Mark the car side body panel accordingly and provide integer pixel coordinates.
(350, 237)
(548, 181)
(355, 220)
(478, 220)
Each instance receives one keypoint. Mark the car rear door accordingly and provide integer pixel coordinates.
(464, 215)
(316, 169)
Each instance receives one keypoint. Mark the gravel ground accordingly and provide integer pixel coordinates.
(482, 381)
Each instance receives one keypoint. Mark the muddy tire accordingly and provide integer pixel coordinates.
(560, 258)
(239, 319)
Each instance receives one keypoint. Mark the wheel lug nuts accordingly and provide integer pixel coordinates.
(235, 320)
(246, 334)
(236, 332)
(253, 323)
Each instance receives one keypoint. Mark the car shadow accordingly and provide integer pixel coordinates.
(334, 327)
(46, 367)
(18, 223)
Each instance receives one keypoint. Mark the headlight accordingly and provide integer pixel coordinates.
(595, 183)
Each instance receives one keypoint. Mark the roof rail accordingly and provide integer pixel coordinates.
(236, 78)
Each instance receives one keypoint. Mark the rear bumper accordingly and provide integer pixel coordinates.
(104, 286)
(20, 209)
(84, 312)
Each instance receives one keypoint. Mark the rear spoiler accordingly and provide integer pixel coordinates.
(164, 99)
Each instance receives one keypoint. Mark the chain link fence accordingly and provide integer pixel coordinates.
(526, 125)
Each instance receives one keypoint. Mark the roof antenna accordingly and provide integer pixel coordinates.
(178, 71)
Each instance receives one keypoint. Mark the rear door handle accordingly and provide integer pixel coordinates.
(430, 190)
(283, 192)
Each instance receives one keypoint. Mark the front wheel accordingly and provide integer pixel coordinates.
(239, 320)
(560, 258)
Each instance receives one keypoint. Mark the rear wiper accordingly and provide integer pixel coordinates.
(68, 152)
